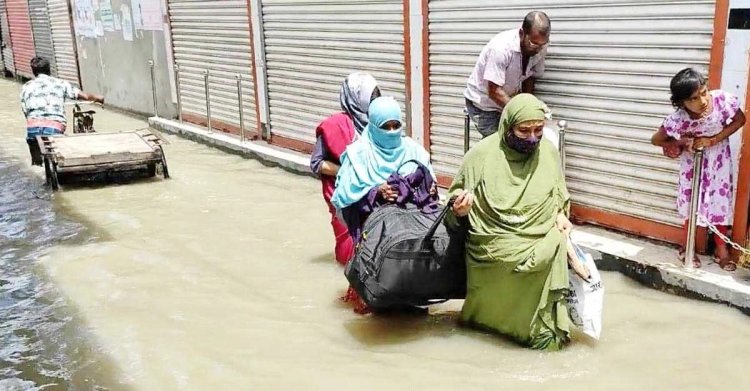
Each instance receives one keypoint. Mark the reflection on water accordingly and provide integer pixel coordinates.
(40, 347)
(222, 278)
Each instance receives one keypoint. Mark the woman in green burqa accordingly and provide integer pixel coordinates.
(511, 195)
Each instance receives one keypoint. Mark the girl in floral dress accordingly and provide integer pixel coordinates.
(703, 119)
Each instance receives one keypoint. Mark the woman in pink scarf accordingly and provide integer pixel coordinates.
(334, 134)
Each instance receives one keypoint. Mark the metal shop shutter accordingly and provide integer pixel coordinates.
(2, 60)
(4, 37)
(214, 36)
(8, 45)
(311, 46)
(22, 36)
(607, 73)
(63, 41)
(40, 24)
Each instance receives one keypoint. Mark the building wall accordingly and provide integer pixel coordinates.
(119, 69)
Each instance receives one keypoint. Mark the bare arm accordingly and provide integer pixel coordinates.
(737, 122)
(671, 147)
(329, 168)
(661, 139)
(90, 97)
(497, 94)
(318, 163)
(528, 85)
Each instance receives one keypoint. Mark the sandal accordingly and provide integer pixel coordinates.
(360, 307)
(726, 264)
(696, 261)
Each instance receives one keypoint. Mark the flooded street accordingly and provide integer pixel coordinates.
(223, 278)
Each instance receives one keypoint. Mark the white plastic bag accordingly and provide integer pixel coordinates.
(586, 299)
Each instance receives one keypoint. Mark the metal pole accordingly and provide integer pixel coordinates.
(467, 124)
(208, 100)
(179, 93)
(693, 216)
(562, 126)
(241, 107)
(153, 87)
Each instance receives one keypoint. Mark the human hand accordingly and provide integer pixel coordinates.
(433, 190)
(462, 204)
(387, 193)
(579, 268)
(703, 142)
(672, 150)
(563, 224)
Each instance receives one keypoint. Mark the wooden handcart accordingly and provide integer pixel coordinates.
(97, 153)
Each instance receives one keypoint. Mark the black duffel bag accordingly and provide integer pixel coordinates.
(408, 258)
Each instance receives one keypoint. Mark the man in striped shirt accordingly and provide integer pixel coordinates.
(43, 104)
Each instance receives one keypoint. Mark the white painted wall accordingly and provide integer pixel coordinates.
(417, 77)
(734, 76)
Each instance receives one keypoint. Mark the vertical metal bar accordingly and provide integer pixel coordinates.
(208, 100)
(153, 87)
(179, 93)
(693, 217)
(467, 124)
(408, 127)
(241, 107)
(261, 73)
(562, 126)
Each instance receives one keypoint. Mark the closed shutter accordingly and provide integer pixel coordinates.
(63, 42)
(22, 36)
(311, 46)
(40, 24)
(607, 73)
(2, 60)
(214, 36)
(7, 44)
(3, 40)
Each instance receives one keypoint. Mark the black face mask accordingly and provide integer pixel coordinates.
(526, 146)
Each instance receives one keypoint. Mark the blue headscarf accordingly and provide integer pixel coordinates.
(369, 161)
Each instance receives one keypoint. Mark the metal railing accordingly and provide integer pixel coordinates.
(693, 216)
(178, 91)
(562, 127)
(153, 87)
(240, 107)
(467, 131)
(206, 75)
(207, 93)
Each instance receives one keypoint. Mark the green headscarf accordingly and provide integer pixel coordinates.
(517, 270)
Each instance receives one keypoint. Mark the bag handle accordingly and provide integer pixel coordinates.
(420, 167)
(438, 220)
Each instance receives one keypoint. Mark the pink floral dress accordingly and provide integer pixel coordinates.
(716, 187)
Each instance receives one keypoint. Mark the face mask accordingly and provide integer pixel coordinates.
(526, 146)
(387, 139)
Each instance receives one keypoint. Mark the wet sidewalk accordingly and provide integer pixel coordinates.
(651, 263)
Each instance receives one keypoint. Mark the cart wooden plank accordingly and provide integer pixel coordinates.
(105, 159)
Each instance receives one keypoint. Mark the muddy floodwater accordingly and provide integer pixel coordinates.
(223, 278)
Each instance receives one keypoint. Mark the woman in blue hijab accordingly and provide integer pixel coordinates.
(368, 162)
(366, 167)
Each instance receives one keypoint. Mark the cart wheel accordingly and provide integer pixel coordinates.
(164, 168)
(151, 170)
(53, 181)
